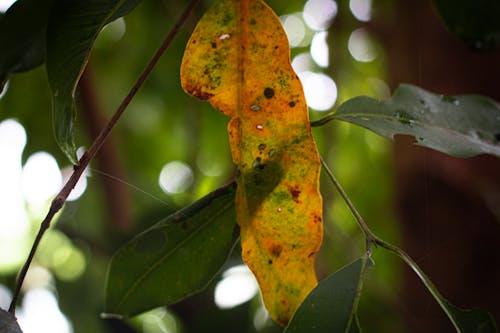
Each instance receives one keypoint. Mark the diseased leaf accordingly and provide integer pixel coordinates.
(8, 323)
(175, 258)
(476, 23)
(22, 36)
(461, 126)
(238, 59)
(332, 305)
(72, 29)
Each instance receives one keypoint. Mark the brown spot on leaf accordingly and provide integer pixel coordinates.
(269, 93)
(199, 93)
(292, 104)
(317, 219)
(295, 192)
(276, 250)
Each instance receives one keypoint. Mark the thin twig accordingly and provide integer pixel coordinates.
(371, 238)
(84, 161)
(369, 235)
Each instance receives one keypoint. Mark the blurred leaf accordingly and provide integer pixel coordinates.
(8, 323)
(471, 321)
(476, 23)
(332, 305)
(462, 126)
(278, 203)
(72, 29)
(175, 258)
(22, 36)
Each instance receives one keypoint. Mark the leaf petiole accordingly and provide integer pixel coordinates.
(456, 318)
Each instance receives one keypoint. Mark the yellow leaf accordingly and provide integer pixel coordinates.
(238, 59)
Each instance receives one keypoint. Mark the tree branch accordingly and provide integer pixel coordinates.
(84, 161)
(371, 238)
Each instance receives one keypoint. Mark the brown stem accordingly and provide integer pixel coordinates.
(84, 161)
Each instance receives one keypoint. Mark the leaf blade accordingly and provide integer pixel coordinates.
(332, 305)
(475, 23)
(72, 29)
(22, 40)
(461, 126)
(157, 256)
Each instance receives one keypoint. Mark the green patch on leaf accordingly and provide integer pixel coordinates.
(461, 126)
(175, 258)
(332, 305)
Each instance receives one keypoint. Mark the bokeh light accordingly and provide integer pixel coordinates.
(176, 177)
(238, 285)
(294, 28)
(319, 14)
(14, 222)
(5, 4)
(40, 313)
(41, 178)
(320, 90)
(158, 320)
(361, 46)
(80, 186)
(303, 62)
(361, 9)
(319, 49)
(5, 297)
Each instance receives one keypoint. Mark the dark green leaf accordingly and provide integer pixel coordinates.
(175, 258)
(8, 323)
(476, 23)
(461, 126)
(332, 305)
(22, 36)
(471, 321)
(72, 29)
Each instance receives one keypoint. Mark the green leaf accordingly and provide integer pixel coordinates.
(22, 36)
(331, 306)
(8, 323)
(476, 23)
(461, 126)
(72, 29)
(471, 321)
(175, 258)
